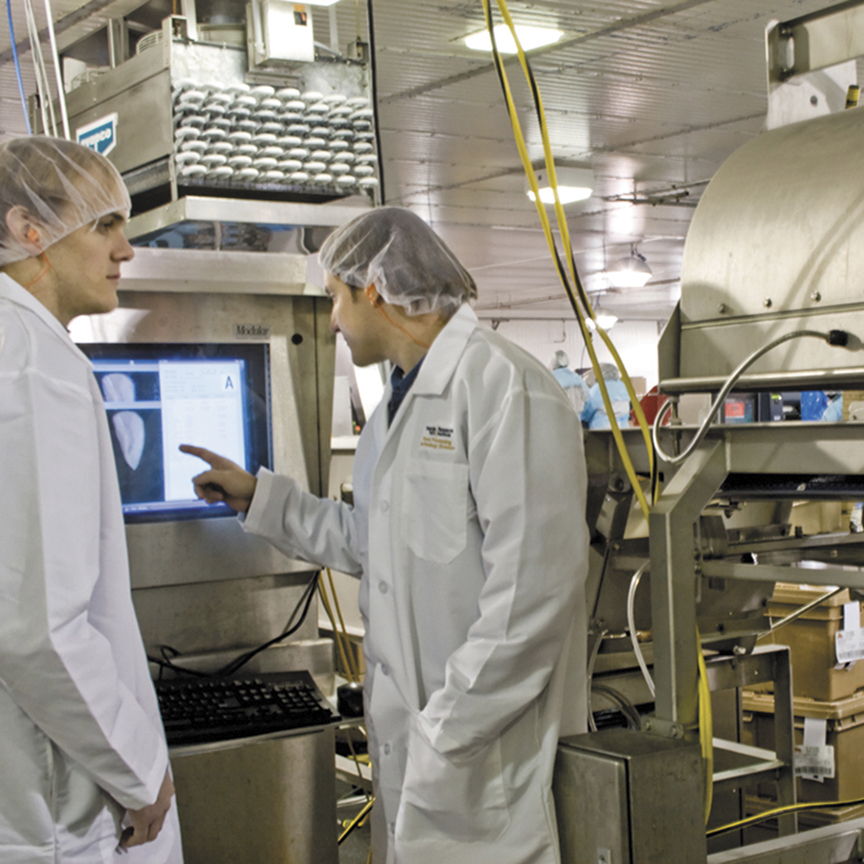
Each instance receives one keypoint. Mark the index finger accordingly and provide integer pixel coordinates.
(214, 459)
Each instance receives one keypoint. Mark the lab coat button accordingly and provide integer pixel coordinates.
(386, 749)
(392, 827)
(383, 587)
(385, 506)
(385, 670)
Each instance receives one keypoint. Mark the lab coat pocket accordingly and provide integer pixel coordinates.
(435, 509)
(460, 801)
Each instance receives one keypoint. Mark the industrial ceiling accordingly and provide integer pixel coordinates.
(653, 95)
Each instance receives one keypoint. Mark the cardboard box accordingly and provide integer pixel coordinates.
(845, 733)
(811, 642)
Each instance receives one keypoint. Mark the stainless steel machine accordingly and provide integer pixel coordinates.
(243, 142)
(229, 98)
(205, 588)
(773, 256)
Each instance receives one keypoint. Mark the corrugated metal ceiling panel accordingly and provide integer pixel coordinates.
(653, 94)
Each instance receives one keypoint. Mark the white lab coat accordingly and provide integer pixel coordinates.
(468, 529)
(81, 737)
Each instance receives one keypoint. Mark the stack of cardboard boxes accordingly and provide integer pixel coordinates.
(822, 691)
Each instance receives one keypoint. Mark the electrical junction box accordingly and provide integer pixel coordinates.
(625, 797)
(279, 34)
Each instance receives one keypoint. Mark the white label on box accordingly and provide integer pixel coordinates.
(849, 645)
(814, 763)
(814, 760)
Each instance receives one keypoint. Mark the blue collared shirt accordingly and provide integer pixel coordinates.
(400, 384)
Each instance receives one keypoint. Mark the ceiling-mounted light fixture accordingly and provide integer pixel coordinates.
(601, 318)
(320, 2)
(630, 272)
(606, 320)
(529, 37)
(574, 184)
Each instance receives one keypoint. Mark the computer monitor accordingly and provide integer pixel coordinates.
(158, 396)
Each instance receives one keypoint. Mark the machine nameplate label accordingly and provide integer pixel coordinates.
(255, 332)
(100, 135)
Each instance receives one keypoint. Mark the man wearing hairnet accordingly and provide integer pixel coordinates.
(83, 761)
(468, 534)
(594, 413)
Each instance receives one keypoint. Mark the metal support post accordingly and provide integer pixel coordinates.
(673, 581)
(784, 741)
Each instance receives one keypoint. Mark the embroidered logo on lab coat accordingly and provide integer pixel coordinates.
(438, 438)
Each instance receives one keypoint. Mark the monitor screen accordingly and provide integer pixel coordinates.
(158, 396)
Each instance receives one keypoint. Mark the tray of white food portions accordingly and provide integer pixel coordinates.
(263, 137)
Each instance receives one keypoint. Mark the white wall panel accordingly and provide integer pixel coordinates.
(635, 341)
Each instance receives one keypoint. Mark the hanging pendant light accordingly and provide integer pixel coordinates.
(630, 272)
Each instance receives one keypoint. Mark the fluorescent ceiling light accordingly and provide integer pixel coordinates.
(319, 2)
(529, 37)
(566, 194)
(605, 319)
(630, 272)
(574, 184)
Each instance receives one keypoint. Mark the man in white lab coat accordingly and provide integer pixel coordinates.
(83, 761)
(468, 533)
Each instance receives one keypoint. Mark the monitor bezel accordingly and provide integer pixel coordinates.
(259, 447)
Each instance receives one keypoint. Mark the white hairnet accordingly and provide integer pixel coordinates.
(610, 372)
(61, 186)
(560, 360)
(409, 264)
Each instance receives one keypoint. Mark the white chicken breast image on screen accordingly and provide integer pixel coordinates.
(128, 425)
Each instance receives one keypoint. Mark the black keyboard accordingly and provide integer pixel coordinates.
(805, 486)
(204, 710)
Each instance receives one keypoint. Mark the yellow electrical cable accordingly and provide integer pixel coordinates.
(322, 592)
(529, 171)
(705, 718)
(356, 759)
(565, 234)
(349, 650)
(706, 727)
(350, 670)
(562, 226)
(325, 601)
(782, 811)
(357, 820)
